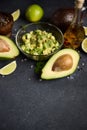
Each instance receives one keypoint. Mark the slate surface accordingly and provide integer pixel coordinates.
(29, 103)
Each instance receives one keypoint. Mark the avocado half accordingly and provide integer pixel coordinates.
(13, 50)
(66, 62)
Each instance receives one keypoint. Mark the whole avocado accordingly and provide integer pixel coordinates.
(6, 23)
(62, 18)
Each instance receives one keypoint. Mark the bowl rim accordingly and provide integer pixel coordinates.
(37, 23)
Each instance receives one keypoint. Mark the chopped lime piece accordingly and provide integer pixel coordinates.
(9, 68)
(16, 14)
(85, 29)
(84, 45)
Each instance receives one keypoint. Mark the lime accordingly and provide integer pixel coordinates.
(16, 14)
(84, 45)
(34, 13)
(85, 29)
(9, 68)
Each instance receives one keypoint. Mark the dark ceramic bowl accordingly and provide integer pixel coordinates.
(41, 26)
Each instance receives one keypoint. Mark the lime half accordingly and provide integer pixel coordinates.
(85, 29)
(84, 45)
(16, 14)
(9, 68)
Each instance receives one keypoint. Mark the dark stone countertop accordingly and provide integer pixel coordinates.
(29, 103)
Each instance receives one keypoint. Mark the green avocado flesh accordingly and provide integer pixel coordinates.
(8, 49)
(61, 64)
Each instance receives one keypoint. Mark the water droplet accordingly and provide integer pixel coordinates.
(71, 77)
(31, 66)
(68, 77)
(22, 60)
(78, 67)
(29, 79)
(40, 80)
(3, 76)
(83, 64)
(25, 59)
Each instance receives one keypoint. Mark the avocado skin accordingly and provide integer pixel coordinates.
(14, 52)
(62, 18)
(6, 23)
(47, 72)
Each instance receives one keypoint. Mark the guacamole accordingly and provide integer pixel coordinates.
(39, 42)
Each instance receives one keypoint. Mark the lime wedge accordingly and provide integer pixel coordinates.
(9, 68)
(85, 29)
(84, 45)
(16, 14)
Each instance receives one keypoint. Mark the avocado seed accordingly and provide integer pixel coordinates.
(63, 63)
(4, 47)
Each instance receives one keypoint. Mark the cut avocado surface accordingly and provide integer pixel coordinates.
(61, 64)
(11, 52)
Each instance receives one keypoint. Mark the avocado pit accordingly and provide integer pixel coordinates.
(4, 47)
(63, 63)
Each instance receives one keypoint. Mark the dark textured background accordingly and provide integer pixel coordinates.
(29, 103)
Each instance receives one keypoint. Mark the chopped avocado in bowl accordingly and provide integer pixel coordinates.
(39, 41)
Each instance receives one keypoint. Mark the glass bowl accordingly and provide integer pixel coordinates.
(56, 32)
